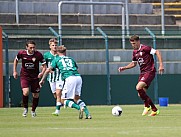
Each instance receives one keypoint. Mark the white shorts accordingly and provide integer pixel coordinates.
(56, 85)
(72, 87)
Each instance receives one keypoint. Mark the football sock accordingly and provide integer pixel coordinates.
(71, 104)
(146, 99)
(82, 104)
(35, 103)
(146, 104)
(25, 101)
(58, 105)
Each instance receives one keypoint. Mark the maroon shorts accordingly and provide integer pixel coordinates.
(147, 78)
(33, 84)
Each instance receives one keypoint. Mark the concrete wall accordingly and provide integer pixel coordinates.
(93, 62)
(94, 90)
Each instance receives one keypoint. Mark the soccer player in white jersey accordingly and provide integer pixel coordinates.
(71, 91)
(54, 77)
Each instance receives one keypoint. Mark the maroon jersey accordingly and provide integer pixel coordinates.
(144, 58)
(30, 63)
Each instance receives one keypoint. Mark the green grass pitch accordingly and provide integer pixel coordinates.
(103, 124)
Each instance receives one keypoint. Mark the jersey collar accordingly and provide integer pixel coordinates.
(140, 47)
(52, 53)
(29, 53)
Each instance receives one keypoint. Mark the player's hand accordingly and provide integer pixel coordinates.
(51, 71)
(40, 75)
(120, 69)
(15, 75)
(41, 83)
(161, 70)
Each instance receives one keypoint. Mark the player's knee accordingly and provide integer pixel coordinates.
(35, 95)
(55, 96)
(138, 95)
(138, 87)
(76, 98)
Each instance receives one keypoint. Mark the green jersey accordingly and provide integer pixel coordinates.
(55, 75)
(66, 65)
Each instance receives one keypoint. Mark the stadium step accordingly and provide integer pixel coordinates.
(158, 1)
(86, 19)
(94, 42)
(170, 8)
(41, 30)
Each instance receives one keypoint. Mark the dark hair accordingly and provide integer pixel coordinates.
(134, 38)
(30, 42)
(61, 49)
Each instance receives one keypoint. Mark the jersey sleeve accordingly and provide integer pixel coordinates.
(19, 55)
(42, 60)
(45, 56)
(149, 50)
(153, 51)
(133, 57)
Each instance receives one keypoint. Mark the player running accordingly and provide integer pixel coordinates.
(29, 75)
(143, 55)
(72, 82)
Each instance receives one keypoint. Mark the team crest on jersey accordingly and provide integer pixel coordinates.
(141, 53)
(142, 78)
(33, 59)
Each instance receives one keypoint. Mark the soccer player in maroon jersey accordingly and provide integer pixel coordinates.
(143, 55)
(29, 75)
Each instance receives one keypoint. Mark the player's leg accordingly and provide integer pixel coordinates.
(142, 94)
(57, 95)
(58, 102)
(82, 104)
(147, 100)
(25, 89)
(25, 101)
(34, 104)
(148, 79)
(35, 89)
(53, 88)
(77, 98)
(68, 94)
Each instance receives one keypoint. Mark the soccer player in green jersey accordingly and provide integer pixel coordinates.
(54, 77)
(71, 91)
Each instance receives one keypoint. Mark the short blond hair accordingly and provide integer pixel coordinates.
(61, 49)
(54, 40)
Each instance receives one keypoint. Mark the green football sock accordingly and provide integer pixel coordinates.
(58, 105)
(82, 104)
(71, 104)
(86, 111)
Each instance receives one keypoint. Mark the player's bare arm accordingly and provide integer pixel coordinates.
(161, 67)
(48, 70)
(15, 73)
(129, 66)
(43, 69)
